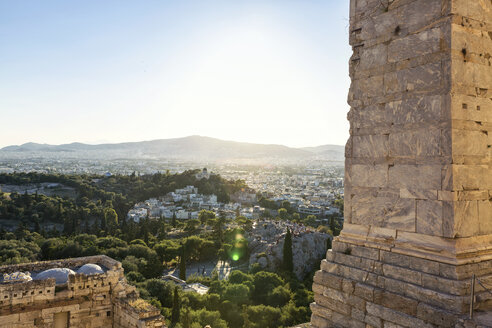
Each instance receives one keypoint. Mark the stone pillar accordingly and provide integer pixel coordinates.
(418, 181)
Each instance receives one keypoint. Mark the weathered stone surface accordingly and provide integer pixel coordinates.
(415, 176)
(418, 183)
(371, 146)
(395, 317)
(429, 217)
(369, 175)
(421, 142)
(421, 109)
(485, 217)
(414, 45)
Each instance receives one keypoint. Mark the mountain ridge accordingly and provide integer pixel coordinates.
(191, 147)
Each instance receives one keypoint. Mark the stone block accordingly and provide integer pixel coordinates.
(415, 176)
(369, 175)
(373, 57)
(388, 211)
(423, 265)
(388, 324)
(471, 108)
(366, 88)
(365, 252)
(332, 304)
(373, 321)
(368, 117)
(419, 12)
(348, 286)
(330, 267)
(395, 316)
(402, 274)
(399, 303)
(438, 299)
(364, 291)
(418, 109)
(485, 217)
(372, 146)
(444, 285)
(358, 315)
(421, 142)
(415, 45)
(328, 280)
(426, 77)
(419, 194)
(436, 316)
(466, 220)
(429, 217)
(470, 142)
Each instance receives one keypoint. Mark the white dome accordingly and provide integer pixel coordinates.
(90, 268)
(60, 275)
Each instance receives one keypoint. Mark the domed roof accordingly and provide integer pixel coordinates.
(60, 275)
(90, 268)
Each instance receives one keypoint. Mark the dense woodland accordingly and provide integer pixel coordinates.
(94, 222)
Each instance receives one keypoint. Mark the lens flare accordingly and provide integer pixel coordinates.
(235, 257)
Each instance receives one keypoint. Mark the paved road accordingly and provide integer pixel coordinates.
(204, 269)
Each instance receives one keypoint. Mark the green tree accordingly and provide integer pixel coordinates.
(192, 225)
(263, 316)
(186, 321)
(182, 263)
(334, 226)
(287, 206)
(173, 220)
(205, 215)
(283, 214)
(161, 290)
(263, 285)
(339, 204)
(237, 294)
(310, 220)
(296, 217)
(176, 307)
(288, 261)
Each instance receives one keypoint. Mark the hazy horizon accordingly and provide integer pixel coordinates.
(265, 72)
(101, 142)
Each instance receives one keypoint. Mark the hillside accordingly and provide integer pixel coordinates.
(187, 148)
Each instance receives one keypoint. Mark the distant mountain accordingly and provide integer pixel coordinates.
(188, 148)
(333, 152)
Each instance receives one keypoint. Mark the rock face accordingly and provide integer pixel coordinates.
(266, 242)
(418, 181)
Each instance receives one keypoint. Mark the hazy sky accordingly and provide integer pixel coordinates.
(269, 71)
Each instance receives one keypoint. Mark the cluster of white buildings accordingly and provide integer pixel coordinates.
(186, 203)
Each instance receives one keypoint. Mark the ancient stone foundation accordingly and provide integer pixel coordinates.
(83, 300)
(418, 183)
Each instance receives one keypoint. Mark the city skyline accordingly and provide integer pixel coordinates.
(259, 72)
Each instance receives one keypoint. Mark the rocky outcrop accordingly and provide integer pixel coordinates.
(266, 242)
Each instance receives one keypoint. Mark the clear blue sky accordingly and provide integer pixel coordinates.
(270, 71)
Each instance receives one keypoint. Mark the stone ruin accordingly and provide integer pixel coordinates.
(86, 292)
(418, 181)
